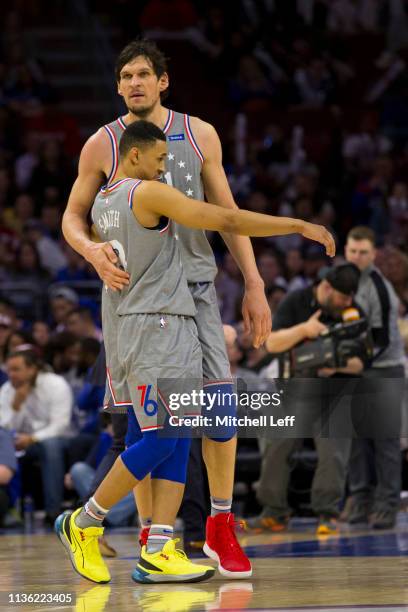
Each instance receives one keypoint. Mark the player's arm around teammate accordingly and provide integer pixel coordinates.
(155, 199)
(95, 155)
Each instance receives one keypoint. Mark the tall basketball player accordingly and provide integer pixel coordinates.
(194, 166)
(150, 334)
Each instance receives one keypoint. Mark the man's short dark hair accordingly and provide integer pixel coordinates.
(29, 356)
(361, 232)
(140, 134)
(90, 345)
(145, 48)
(344, 278)
(83, 312)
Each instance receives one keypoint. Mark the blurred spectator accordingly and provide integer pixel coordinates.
(41, 333)
(20, 213)
(229, 288)
(76, 268)
(32, 278)
(28, 267)
(62, 301)
(235, 356)
(27, 161)
(315, 84)
(363, 146)
(5, 332)
(7, 189)
(8, 310)
(63, 354)
(258, 202)
(51, 122)
(80, 323)
(275, 295)
(398, 210)
(8, 467)
(37, 405)
(19, 340)
(51, 255)
(393, 263)
(250, 83)
(88, 396)
(314, 261)
(270, 270)
(294, 270)
(348, 17)
(51, 217)
(51, 171)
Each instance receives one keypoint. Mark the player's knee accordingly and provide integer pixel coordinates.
(221, 406)
(142, 457)
(175, 467)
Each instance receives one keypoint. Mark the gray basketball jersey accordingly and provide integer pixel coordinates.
(183, 171)
(151, 256)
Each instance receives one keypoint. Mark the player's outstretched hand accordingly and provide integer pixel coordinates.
(103, 258)
(320, 234)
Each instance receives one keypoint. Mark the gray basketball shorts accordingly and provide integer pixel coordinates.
(142, 349)
(216, 366)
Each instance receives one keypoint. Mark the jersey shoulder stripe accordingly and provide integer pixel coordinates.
(131, 192)
(169, 121)
(115, 152)
(122, 124)
(191, 138)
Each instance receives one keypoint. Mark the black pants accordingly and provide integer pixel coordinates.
(375, 462)
(4, 502)
(195, 504)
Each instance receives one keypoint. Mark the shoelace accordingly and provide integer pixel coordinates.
(181, 554)
(89, 539)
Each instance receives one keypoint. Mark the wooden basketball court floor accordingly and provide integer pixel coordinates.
(355, 570)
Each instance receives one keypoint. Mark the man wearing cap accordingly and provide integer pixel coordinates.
(375, 462)
(62, 301)
(304, 315)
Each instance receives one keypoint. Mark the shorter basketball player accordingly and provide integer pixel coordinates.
(150, 333)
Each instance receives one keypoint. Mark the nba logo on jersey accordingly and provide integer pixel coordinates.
(176, 137)
(163, 322)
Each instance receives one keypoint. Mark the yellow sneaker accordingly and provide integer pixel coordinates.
(82, 547)
(169, 565)
(93, 600)
(178, 599)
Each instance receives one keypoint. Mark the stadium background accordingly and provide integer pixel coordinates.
(310, 100)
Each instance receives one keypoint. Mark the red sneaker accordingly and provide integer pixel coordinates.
(143, 535)
(221, 544)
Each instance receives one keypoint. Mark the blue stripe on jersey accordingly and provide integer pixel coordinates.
(194, 142)
(113, 145)
(130, 197)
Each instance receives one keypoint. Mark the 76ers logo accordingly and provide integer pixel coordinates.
(148, 404)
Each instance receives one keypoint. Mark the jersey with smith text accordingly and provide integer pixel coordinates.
(183, 171)
(151, 256)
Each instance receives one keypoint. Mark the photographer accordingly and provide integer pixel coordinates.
(303, 315)
(375, 463)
